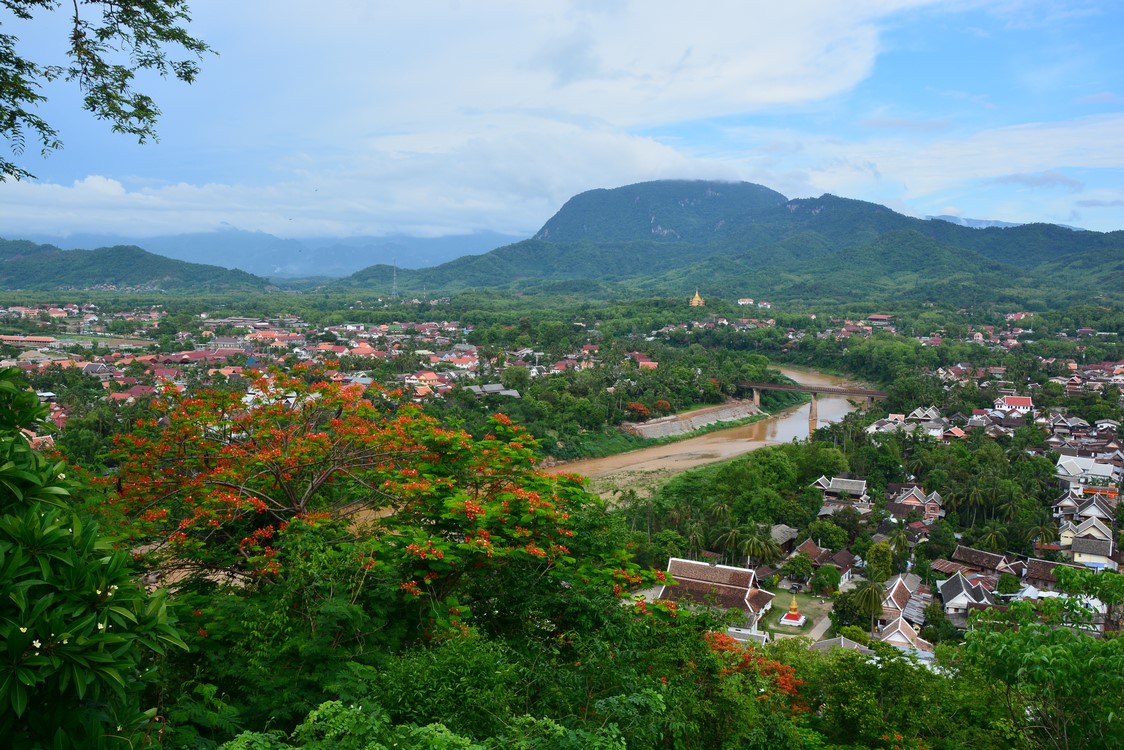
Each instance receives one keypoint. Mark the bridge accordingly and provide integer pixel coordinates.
(816, 391)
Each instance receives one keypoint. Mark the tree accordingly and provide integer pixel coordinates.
(759, 546)
(211, 482)
(879, 562)
(109, 43)
(868, 600)
(826, 534)
(1061, 685)
(826, 579)
(79, 633)
(1008, 584)
(798, 567)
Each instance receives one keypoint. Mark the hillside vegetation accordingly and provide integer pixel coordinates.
(27, 265)
(741, 239)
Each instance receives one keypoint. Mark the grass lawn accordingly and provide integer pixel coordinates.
(808, 604)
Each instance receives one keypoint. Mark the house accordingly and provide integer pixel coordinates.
(1021, 404)
(1040, 573)
(784, 536)
(1098, 554)
(722, 586)
(839, 489)
(912, 498)
(843, 560)
(1080, 471)
(958, 592)
(924, 414)
(905, 637)
(980, 560)
(905, 596)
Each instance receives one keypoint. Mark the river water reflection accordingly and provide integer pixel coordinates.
(724, 444)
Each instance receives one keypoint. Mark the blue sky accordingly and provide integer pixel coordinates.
(349, 118)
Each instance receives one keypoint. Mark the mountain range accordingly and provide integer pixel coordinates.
(264, 254)
(737, 240)
(668, 237)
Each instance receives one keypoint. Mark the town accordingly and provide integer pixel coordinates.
(984, 477)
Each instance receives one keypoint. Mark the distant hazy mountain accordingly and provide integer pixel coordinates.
(743, 240)
(27, 265)
(264, 254)
(972, 223)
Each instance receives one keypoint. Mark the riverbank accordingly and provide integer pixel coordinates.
(689, 423)
(646, 469)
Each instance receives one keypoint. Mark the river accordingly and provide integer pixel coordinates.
(641, 468)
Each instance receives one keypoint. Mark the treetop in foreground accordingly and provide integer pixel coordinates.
(109, 43)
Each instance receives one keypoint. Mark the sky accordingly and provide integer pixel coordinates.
(355, 118)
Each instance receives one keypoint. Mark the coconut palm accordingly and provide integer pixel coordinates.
(868, 597)
(696, 539)
(1042, 528)
(1010, 501)
(719, 510)
(993, 536)
(759, 546)
(730, 540)
(899, 542)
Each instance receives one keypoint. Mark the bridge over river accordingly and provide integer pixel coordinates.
(646, 468)
(816, 391)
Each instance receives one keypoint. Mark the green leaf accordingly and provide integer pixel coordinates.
(19, 698)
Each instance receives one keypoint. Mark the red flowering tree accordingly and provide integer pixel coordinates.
(774, 683)
(638, 410)
(215, 483)
(211, 482)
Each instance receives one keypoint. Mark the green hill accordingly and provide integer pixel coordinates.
(740, 239)
(27, 265)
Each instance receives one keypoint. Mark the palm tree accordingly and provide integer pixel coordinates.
(993, 536)
(696, 539)
(975, 498)
(1042, 529)
(719, 510)
(899, 541)
(731, 539)
(759, 546)
(868, 597)
(1010, 501)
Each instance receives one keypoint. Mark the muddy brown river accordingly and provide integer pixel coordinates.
(648, 465)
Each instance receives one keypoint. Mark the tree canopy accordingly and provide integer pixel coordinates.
(109, 43)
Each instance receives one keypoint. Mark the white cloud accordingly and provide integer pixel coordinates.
(358, 118)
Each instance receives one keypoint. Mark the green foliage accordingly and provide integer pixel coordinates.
(448, 683)
(798, 567)
(879, 562)
(1062, 685)
(78, 632)
(47, 267)
(856, 634)
(826, 534)
(1008, 584)
(109, 44)
(826, 579)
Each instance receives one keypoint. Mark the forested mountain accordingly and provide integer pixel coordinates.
(740, 239)
(27, 265)
(267, 255)
(668, 237)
